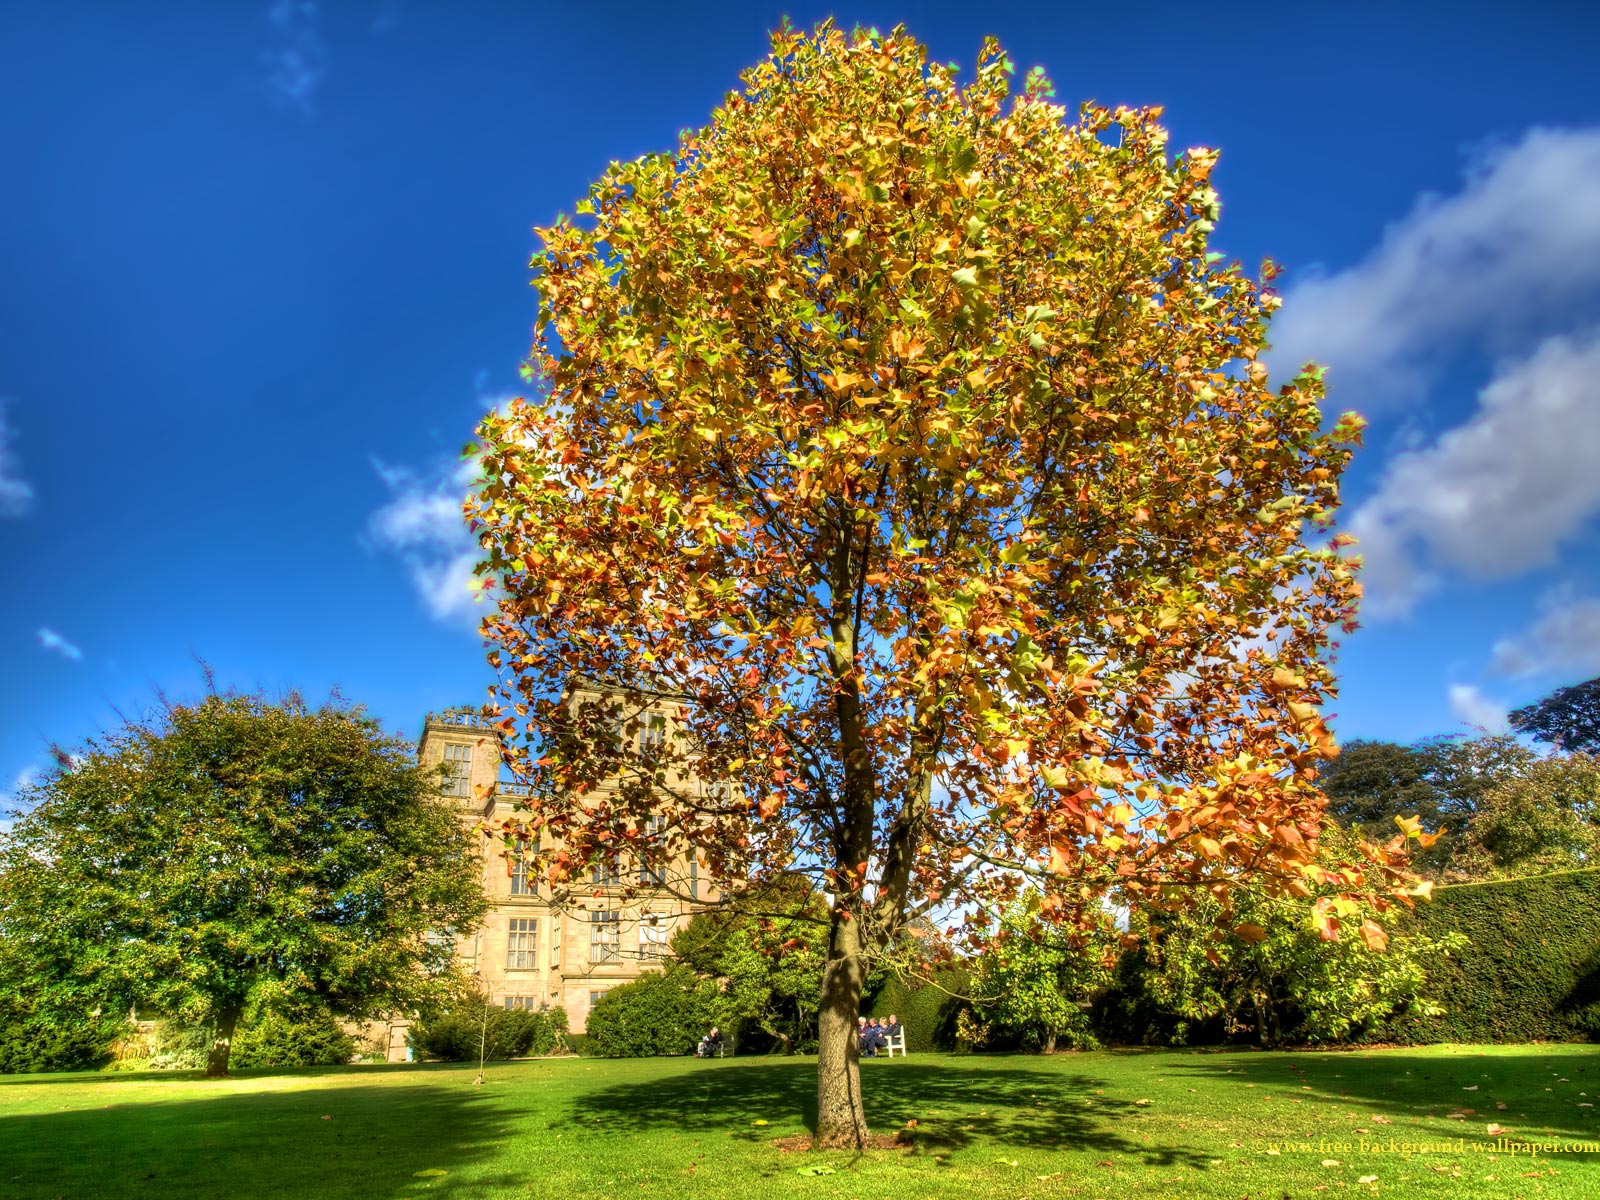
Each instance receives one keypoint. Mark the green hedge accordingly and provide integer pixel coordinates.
(927, 1010)
(1532, 971)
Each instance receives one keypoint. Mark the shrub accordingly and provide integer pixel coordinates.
(297, 1032)
(456, 1034)
(661, 1012)
(34, 1039)
(1531, 970)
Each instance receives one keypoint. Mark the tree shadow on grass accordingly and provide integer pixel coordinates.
(330, 1142)
(1541, 1087)
(955, 1104)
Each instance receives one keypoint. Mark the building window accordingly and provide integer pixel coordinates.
(522, 1003)
(606, 873)
(439, 948)
(520, 885)
(653, 850)
(653, 930)
(605, 936)
(458, 770)
(694, 876)
(594, 998)
(652, 736)
(522, 944)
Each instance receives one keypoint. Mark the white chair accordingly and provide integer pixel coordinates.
(897, 1042)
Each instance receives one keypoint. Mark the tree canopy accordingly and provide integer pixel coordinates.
(912, 435)
(230, 850)
(1568, 718)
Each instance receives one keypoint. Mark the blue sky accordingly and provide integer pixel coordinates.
(265, 265)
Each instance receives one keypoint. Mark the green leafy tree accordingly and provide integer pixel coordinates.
(230, 850)
(1032, 987)
(1371, 783)
(913, 435)
(769, 958)
(1279, 974)
(1542, 817)
(1440, 781)
(1568, 718)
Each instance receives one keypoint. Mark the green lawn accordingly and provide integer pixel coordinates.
(1106, 1124)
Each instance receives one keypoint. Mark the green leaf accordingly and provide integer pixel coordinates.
(966, 277)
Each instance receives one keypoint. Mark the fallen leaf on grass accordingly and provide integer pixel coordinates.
(1006, 1162)
(1473, 1088)
(1495, 1129)
(431, 1173)
(1141, 1103)
(1500, 1104)
(1273, 1150)
(1368, 1179)
(1332, 1162)
(1381, 1120)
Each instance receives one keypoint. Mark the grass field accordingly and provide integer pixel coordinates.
(1106, 1124)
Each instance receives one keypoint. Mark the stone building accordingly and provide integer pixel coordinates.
(536, 949)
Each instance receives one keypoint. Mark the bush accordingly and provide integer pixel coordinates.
(33, 1039)
(299, 1032)
(661, 1012)
(456, 1034)
(928, 1009)
(1531, 970)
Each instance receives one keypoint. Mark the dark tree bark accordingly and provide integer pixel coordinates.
(221, 1043)
(841, 1120)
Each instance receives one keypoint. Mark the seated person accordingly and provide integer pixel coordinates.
(709, 1044)
(892, 1028)
(875, 1039)
(861, 1035)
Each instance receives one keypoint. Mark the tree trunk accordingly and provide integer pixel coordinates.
(221, 1043)
(841, 1120)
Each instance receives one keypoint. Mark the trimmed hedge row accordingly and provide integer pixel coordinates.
(928, 1010)
(1532, 970)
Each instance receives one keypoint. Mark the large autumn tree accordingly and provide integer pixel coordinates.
(234, 850)
(913, 437)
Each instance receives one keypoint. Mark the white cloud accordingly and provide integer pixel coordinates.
(51, 640)
(422, 523)
(1497, 495)
(16, 493)
(297, 60)
(1476, 709)
(1509, 256)
(1564, 640)
(26, 777)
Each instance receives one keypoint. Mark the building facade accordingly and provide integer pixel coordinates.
(536, 948)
